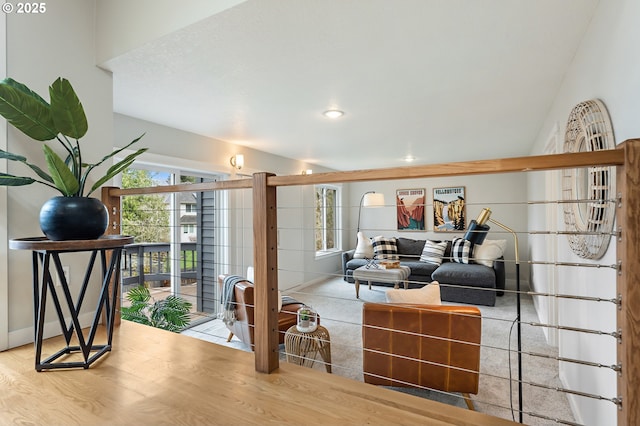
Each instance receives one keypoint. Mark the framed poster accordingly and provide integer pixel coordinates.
(449, 209)
(410, 209)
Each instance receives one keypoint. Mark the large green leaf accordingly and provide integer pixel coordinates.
(139, 294)
(117, 168)
(117, 151)
(63, 178)
(13, 157)
(20, 158)
(66, 109)
(9, 180)
(26, 110)
(171, 313)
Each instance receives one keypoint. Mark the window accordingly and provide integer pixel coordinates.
(326, 220)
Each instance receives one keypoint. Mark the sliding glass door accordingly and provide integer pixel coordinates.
(167, 255)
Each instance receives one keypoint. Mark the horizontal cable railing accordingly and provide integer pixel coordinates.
(341, 312)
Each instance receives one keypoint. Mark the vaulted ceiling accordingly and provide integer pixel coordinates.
(432, 79)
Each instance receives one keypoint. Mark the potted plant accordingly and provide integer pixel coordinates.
(307, 319)
(73, 215)
(170, 314)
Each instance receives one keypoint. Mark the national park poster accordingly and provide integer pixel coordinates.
(410, 209)
(449, 209)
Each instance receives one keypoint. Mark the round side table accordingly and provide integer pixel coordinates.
(302, 348)
(46, 263)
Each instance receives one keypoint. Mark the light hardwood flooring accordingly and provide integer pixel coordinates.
(157, 377)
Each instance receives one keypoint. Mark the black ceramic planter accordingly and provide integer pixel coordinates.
(73, 218)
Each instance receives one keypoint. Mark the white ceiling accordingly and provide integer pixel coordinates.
(441, 80)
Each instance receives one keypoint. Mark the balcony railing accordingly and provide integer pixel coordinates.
(150, 263)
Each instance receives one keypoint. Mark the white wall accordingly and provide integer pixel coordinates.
(607, 67)
(37, 49)
(503, 193)
(191, 152)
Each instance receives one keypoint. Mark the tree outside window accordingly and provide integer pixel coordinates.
(146, 217)
(326, 218)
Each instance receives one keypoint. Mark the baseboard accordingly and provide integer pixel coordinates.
(321, 278)
(572, 399)
(51, 329)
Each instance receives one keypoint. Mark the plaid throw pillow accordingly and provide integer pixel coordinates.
(433, 252)
(460, 250)
(385, 248)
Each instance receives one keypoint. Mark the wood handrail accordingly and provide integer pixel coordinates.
(183, 187)
(614, 157)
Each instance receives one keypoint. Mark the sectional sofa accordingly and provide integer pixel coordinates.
(477, 282)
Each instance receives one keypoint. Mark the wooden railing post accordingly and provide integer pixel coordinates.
(113, 228)
(265, 258)
(628, 283)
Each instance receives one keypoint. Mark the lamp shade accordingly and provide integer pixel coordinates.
(373, 199)
(476, 233)
(477, 230)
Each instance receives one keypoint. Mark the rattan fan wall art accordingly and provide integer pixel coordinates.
(589, 193)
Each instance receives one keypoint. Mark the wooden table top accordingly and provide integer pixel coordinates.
(44, 244)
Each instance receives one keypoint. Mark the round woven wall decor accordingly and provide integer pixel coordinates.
(590, 217)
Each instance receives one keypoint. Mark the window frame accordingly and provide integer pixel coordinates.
(337, 246)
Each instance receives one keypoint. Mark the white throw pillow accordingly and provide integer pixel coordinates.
(488, 251)
(433, 252)
(364, 248)
(427, 295)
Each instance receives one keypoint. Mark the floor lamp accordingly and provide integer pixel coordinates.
(476, 234)
(369, 199)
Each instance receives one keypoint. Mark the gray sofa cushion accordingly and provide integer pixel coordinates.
(356, 263)
(465, 274)
(466, 283)
(410, 248)
(420, 268)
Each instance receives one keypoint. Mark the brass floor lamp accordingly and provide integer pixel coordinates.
(476, 234)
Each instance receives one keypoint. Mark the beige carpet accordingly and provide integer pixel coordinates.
(340, 313)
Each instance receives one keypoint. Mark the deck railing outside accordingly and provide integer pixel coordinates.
(149, 263)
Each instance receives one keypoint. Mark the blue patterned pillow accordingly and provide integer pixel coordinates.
(385, 248)
(460, 250)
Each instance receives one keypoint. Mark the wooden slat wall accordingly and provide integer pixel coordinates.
(207, 282)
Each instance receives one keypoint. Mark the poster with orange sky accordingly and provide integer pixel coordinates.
(410, 209)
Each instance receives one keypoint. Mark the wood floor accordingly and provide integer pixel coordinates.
(156, 377)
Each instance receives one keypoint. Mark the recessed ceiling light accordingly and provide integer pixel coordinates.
(409, 158)
(333, 113)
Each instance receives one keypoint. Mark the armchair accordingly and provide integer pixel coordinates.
(431, 346)
(243, 326)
